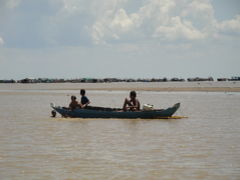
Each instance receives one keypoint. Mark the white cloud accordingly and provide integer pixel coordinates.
(13, 3)
(201, 14)
(111, 28)
(72, 7)
(154, 19)
(75, 22)
(97, 32)
(6, 7)
(178, 29)
(110, 20)
(9, 4)
(158, 8)
(121, 21)
(230, 26)
(199, 9)
(1, 41)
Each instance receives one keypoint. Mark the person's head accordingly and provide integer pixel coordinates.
(133, 95)
(82, 92)
(73, 98)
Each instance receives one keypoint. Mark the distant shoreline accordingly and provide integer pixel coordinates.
(158, 87)
(111, 80)
(173, 89)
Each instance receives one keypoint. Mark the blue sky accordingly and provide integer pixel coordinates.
(119, 38)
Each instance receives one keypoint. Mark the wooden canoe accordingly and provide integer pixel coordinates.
(101, 112)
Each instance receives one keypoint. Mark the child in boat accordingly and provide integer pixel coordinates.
(84, 100)
(133, 104)
(74, 103)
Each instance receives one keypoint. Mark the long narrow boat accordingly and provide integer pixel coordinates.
(101, 112)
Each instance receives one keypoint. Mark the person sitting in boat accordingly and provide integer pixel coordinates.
(133, 104)
(84, 100)
(74, 103)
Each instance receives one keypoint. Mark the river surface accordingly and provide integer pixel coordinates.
(206, 145)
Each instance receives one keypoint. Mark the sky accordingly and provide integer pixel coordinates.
(119, 38)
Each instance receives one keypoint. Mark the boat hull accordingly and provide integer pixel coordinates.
(93, 113)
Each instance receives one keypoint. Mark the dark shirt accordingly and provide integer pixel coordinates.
(84, 100)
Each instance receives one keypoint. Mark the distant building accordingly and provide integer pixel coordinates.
(177, 80)
(8, 81)
(234, 79)
(27, 80)
(200, 79)
(222, 79)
